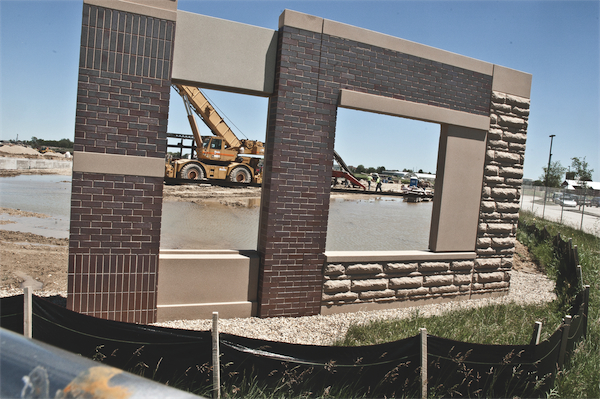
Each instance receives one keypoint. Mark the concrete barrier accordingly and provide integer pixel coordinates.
(25, 163)
(194, 283)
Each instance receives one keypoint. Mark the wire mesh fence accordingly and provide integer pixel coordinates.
(579, 209)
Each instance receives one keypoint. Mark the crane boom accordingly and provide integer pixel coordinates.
(209, 115)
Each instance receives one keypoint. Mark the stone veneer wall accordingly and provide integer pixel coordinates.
(381, 282)
(487, 274)
(503, 178)
(122, 110)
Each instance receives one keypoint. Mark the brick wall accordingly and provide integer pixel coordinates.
(311, 71)
(122, 109)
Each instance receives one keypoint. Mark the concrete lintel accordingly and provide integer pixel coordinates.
(162, 9)
(407, 109)
(511, 81)
(218, 54)
(113, 164)
(300, 20)
(395, 256)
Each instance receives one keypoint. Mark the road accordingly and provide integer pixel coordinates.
(568, 216)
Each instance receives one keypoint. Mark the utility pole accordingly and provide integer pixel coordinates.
(548, 174)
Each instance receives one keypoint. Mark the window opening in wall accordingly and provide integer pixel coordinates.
(212, 201)
(395, 149)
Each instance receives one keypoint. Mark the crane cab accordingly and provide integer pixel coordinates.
(216, 149)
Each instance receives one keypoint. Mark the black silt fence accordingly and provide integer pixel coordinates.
(183, 358)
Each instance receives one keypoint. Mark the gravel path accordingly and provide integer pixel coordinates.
(526, 288)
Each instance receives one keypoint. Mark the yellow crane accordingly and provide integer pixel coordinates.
(222, 156)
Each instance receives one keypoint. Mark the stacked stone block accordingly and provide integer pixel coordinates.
(351, 283)
(503, 178)
(122, 110)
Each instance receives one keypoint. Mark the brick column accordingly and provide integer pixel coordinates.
(299, 154)
(120, 145)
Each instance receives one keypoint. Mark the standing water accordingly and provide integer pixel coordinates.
(367, 223)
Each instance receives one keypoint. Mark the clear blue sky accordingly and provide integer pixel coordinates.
(557, 42)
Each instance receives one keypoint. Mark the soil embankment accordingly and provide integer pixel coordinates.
(27, 153)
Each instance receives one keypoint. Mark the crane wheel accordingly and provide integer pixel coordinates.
(240, 174)
(191, 171)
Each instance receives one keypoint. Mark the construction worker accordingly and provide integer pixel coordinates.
(378, 181)
(369, 180)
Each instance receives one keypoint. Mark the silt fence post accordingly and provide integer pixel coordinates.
(27, 312)
(563, 343)
(216, 356)
(423, 363)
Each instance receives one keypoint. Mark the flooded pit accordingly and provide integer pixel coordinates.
(364, 223)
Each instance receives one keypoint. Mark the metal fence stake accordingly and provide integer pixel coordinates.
(216, 356)
(27, 312)
(423, 363)
(537, 332)
(563, 343)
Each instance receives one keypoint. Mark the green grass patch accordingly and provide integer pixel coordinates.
(499, 324)
(512, 324)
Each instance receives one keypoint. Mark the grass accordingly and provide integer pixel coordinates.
(501, 324)
(581, 376)
(512, 324)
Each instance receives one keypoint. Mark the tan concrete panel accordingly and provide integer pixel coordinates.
(190, 277)
(118, 164)
(300, 20)
(458, 185)
(407, 109)
(163, 9)
(395, 256)
(510, 81)
(216, 53)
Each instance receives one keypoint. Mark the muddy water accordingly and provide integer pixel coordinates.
(382, 223)
(366, 223)
(46, 194)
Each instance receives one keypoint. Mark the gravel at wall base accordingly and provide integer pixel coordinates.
(525, 288)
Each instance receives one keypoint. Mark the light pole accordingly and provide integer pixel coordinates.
(547, 175)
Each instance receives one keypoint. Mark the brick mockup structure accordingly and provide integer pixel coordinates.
(308, 68)
(119, 150)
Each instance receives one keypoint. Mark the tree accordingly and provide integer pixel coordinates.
(581, 171)
(381, 169)
(555, 176)
(360, 169)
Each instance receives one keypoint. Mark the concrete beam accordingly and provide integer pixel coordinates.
(219, 54)
(113, 164)
(408, 109)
